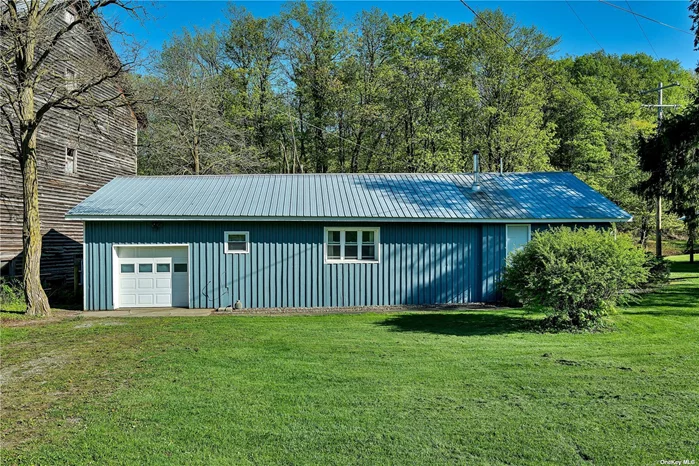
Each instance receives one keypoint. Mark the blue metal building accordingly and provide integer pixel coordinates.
(272, 241)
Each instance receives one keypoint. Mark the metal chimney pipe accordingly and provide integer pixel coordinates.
(476, 165)
(501, 166)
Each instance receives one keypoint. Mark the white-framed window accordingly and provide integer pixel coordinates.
(71, 166)
(236, 242)
(71, 79)
(351, 244)
(517, 235)
(68, 16)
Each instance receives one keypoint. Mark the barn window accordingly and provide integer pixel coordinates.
(351, 245)
(71, 79)
(68, 16)
(237, 242)
(71, 166)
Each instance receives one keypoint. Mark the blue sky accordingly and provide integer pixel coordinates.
(615, 30)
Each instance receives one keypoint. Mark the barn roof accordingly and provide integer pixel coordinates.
(424, 197)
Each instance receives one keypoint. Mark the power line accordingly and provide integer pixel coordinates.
(519, 52)
(584, 25)
(643, 31)
(647, 18)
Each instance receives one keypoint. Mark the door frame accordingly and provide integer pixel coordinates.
(116, 271)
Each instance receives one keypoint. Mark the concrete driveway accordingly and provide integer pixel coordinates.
(150, 312)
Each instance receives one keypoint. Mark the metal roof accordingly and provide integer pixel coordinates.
(546, 196)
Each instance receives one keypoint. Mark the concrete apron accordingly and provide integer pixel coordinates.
(149, 312)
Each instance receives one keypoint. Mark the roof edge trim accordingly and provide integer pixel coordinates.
(112, 218)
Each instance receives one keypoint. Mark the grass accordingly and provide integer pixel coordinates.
(671, 247)
(463, 387)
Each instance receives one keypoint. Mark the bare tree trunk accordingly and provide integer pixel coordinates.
(195, 147)
(35, 297)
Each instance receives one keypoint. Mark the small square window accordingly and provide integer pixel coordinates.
(71, 166)
(127, 268)
(145, 268)
(162, 268)
(236, 242)
(180, 268)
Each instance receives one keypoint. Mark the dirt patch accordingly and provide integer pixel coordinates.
(31, 368)
(99, 324)
(57, 315)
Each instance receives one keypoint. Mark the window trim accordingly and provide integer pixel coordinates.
(69, 16)
(70, 77)
(359, 230)
(247, 242)
(507, 233)
(74, 170)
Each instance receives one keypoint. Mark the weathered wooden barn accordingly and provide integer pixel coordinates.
(330, 240)
(78, 152)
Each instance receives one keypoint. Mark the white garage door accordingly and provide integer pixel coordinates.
(152, 277)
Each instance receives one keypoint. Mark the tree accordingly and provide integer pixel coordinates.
(671, 158)
(189, 131)
(33, 41)
(313, 49)
(505, 117)
(252, 47)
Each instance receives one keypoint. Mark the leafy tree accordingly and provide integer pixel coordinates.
(671, 158)
(188, 131)
(313, 49)
(253, 49)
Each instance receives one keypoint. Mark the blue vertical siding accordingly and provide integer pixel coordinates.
(427, 263)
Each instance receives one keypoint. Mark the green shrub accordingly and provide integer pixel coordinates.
(658, 270)
(574, 276)
(11, 295)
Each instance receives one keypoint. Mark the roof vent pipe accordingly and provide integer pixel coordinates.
(476, 163)
(501, 170)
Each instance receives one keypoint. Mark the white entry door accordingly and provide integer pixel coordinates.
(151, 276)
(517, 236)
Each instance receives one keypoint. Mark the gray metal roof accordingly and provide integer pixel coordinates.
(546, 196)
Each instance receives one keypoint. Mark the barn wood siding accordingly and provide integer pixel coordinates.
(102, 155)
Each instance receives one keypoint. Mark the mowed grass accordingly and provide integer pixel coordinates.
(465, 387)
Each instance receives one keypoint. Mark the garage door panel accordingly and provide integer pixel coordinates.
(146, 277)
(162, 283)
(128, 299)
(127, 284)
(162, 299)
(145, 299)
(145, 283)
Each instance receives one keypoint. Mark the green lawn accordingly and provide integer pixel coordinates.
(468, 387)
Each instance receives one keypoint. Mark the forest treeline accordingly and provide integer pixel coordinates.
(305, 91)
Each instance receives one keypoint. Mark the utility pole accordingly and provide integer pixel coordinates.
(659, 198)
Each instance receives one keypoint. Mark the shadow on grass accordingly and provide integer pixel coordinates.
(685, 267)
(469, 324)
